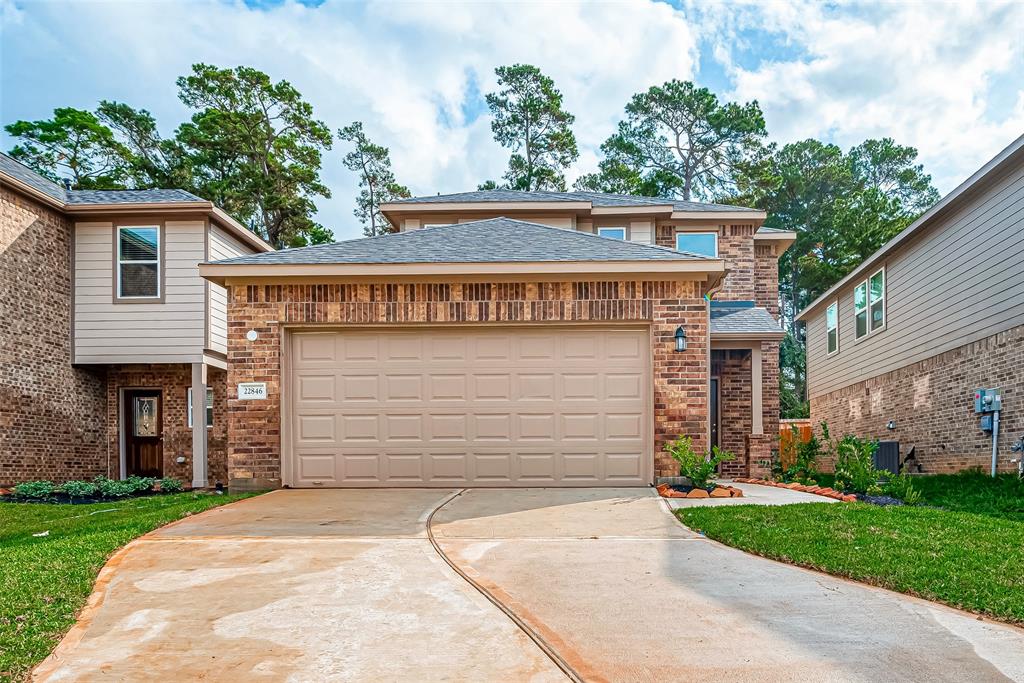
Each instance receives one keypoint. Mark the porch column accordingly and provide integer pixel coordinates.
(757, 412)
(199, 425)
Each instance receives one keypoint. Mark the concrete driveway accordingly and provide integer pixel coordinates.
(343, 585)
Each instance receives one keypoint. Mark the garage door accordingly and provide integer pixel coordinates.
(482, 406)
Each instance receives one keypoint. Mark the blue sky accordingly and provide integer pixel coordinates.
(945, 78)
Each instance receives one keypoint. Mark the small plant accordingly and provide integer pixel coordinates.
(140, 484)
(805, 465)
(35, 490)
(698, 468)
(171, 485)
(79, 489)
(855, 470)
(113, 488)
(902, 486)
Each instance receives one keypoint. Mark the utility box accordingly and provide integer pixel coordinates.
(988, 400)
(887, 457)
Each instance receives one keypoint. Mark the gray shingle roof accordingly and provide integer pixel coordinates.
(130, 196)
(772, 230)
(595, 198)
(742, 320)
(23, 173)
(494, 240)
(20, 171)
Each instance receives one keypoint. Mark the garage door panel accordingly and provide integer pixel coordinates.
(485, 406)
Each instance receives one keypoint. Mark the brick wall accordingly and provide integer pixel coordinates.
(174, 381)
(766, 277)
(52, 416)
(933, 404)
(680, 380)
(754, 452)
(736, 247)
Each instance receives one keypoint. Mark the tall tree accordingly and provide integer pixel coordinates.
(529, 120)
(257, 149)
(74, 144)
(149, 159)
(678, 140)
(376, 179)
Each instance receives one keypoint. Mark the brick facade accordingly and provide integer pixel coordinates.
(754, 452)
(52, 415)
(766, 277)
(174, 381)
(933, 405)
(680, 379)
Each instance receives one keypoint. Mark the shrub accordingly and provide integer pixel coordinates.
(902, 486)
(79, 489)
(698, 468)
(855, 471)
(171, 485)
(140, 484)
(805, 465)
(112, 488)
(35, 490)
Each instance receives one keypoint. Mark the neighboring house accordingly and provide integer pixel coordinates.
(933, 315)
(107, 331)
(507, 339)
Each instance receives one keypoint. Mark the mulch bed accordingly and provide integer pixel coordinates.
(677, 491)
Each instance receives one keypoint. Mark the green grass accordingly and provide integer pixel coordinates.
(963, 546)
(45, 580)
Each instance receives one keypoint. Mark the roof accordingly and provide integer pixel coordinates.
(1012, 154)
(494, 240)
(75, 197)
(596, 199)
(26, 175)
(742, 319)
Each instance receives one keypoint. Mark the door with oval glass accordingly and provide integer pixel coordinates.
(143, 433)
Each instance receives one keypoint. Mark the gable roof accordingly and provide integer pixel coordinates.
(494, 240)
(743, 320)
(1012, 154)
(596, 199)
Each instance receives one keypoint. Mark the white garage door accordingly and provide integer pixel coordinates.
(473, 406)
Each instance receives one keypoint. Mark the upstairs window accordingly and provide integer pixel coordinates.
(860, 310)
(612, 233)
(703, 243)
(138, 262)
(209, 407)
(832, 327)
(876, 300)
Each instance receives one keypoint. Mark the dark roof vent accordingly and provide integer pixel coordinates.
(67, 183)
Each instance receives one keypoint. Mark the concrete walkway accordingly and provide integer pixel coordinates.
(753, 494)
(294, 585)
(628, 594)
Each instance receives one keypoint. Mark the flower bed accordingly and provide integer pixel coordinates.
(803, 488)
(98, 490)
(676, 491)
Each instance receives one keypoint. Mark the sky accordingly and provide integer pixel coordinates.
(947, 79)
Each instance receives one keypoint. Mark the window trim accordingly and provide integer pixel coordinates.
(885, 308)
(625, 232)
(161, 261)
(713, 233)
(835, 305)
(209, 407)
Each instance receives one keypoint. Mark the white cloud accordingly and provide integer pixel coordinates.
(933, 78)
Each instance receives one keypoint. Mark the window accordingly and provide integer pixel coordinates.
(832, 326)
(209, 407)
(138, 262)
(612, 233)
(876, 300)
(703, 243)
(860, 310)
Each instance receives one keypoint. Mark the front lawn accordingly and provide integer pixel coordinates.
(969, 553)
(45, 579)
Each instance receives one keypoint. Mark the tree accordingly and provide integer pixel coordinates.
(376, 179)
(529, 120)
(677, 140)
(256, 149)
(73, 144)
(148, 159)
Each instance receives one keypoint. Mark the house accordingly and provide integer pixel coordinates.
(506, 338)
(897, 348)
(108, 333)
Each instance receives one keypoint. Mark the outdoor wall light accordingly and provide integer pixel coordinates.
(680, 339)
(891, 425)
(251, 335)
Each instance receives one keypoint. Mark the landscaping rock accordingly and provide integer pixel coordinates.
(849, 498)
(698, 493)
(735, 493)
(720, 492)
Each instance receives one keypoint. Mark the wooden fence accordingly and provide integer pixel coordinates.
(792, 432)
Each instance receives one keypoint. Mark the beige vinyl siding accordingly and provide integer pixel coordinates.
(960, 281)
(222, 246)
(171, 331)
(641, 231)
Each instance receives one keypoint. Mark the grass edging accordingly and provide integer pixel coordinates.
(53, 555)
(967, 561)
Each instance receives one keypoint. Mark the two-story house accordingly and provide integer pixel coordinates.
(897, 349)
(505, 338)
(113, 350)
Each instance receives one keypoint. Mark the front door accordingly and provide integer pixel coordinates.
(143, 433)
(714, 411)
